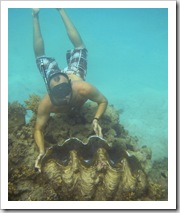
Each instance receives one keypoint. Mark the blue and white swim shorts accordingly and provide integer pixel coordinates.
(76, 64)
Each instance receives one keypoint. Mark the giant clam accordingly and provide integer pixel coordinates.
(93, 171)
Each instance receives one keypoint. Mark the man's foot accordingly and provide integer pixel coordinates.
(35, 11)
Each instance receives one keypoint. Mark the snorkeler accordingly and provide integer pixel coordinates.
(67, 88)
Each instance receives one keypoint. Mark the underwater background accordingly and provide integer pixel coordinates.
(127, 62)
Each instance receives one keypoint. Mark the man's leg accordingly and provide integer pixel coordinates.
(72, 32)
(37, 37)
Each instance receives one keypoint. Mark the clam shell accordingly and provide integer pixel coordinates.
(93, 170)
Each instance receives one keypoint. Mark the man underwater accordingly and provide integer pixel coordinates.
(67, 88)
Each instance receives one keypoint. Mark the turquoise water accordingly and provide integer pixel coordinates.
(127, 61)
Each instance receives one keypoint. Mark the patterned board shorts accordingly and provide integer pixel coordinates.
(76, 64)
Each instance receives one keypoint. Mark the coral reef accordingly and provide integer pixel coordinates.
(32, 104)
(16, 116)
(84, 167)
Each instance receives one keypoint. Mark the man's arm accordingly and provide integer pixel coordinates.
(100, 110)
(95, 95)
(42, 117)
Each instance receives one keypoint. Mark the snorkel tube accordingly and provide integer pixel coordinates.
(42, 69)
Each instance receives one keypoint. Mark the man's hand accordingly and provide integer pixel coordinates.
(97, 128)
(38, 162)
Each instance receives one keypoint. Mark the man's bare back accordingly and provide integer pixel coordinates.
(81, 92)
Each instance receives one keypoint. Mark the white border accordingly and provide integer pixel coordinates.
(171, 203)
(88, 4)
